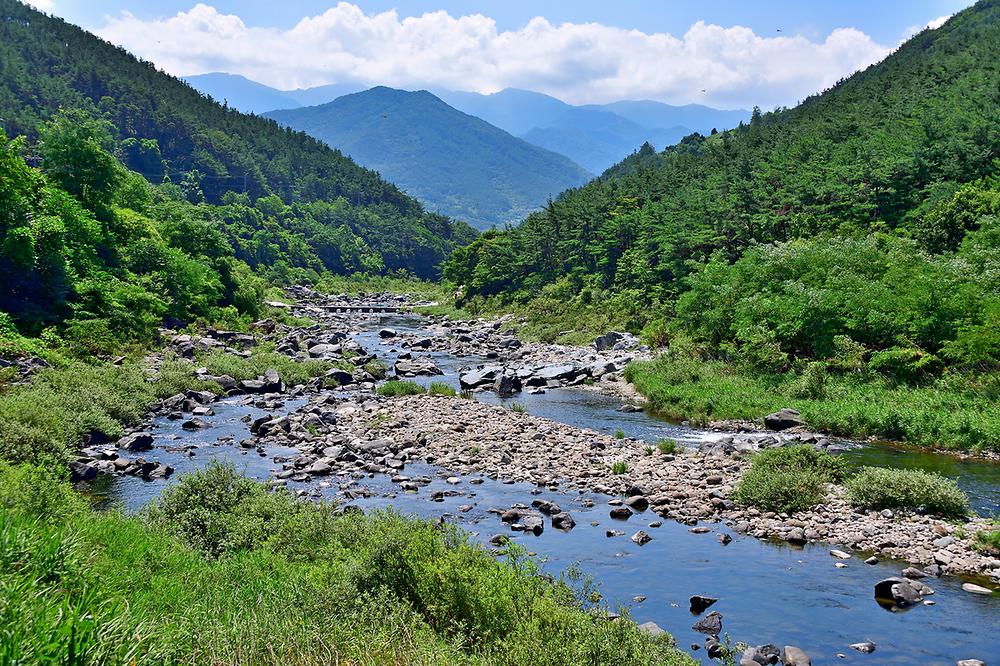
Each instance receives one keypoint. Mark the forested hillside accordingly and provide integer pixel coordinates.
(890, 160)
(458, 165)
(166, 130)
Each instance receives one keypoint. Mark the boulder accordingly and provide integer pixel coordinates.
(556, 372)
(621, 513)
(641, 538)
(507, 384)
(976, 589)
(896, 591)
(864, 647)
(341, 377)
(637, 503)
(421, 365)
(81, 471)
(137, 441)
(272, 382)
(608, 340)
(793, 656)
(699, 603)
(563, 521)
(651, 628)
(710, 624)
(386, 333)
(480, 376)
(783, 419)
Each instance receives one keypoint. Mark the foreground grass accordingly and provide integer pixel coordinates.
(223, 571)
(956, 413)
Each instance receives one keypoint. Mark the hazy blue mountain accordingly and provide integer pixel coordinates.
(321, 94)
(457, 164)
(652, 114)
(241, 93)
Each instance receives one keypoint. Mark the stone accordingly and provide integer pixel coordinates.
(533, 524)
(137, 441)
(341, 377)
(81, 471)
(972, 588)
(710, 624)
(911, 572)
(418, 366)
(386, 333)
(621, 513)
(608, 340)
(651, 628)
(970, 662)
(551, 372)
(865, 647)
(476, 378)
(783, 419)
(641, 538)
(897, 591)
(840, 555)
(563, 521)
(637, 502)
(507, 384)
(699, 603)
(796, 536)
(793, 656)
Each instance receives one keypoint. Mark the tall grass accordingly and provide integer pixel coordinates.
(394, 387)
(289, 582)
(954, 412)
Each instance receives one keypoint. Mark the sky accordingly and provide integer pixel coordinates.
(723, 53)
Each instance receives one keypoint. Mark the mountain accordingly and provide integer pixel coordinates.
(321, 94)
(457, 164)
(164, 128)
(241, 93)
(594, 136)
(887, 150)
(696, 117)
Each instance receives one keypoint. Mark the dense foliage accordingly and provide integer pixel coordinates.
(223, 571)
(456, 164)
(165, 130)
(788, 479)
(914, 489)
(876, 195)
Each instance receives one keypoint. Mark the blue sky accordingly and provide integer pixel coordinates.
(724, 53)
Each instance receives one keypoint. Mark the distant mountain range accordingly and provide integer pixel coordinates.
(457, 164)
(594, 136)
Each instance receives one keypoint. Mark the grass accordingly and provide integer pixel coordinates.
(441, 388)
(883, 488)
(619, 434)
(788, 479)
(262, 359)
(517, 408)
(619, 467)
(988, 540)
(955, 412)
(667, 446)
(395, 388)
(222, 571)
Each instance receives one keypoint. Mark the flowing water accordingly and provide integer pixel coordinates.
(767, 591)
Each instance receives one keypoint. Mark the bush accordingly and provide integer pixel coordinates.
(440, 388)
(883, 488)
(395, 388)
(619, 467)
(667, 446)
(788, 479)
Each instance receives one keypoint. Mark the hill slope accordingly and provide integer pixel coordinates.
(457, 164)
(879, 151)
(48, 64)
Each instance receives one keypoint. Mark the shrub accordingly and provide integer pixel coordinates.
(883, 488)
(440, 388)
(619, 467)
(395, 388)
(667, 446)
(518, 408)
(619, 434)
(788, 479)
(376, 369)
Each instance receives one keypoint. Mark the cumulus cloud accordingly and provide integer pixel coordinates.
(933, 24)
(577, 62)
(44, 5)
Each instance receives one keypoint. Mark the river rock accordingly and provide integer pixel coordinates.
(793, 656)
(637, 502)
(865, 647)
(641, 538)
(608, 340)
(81, 471)
(476, 378)
(783, 419)
(507, 384)
(414, 367)
(341, 377)
(387, 333)
(621, 513)
(970, 662)
(897, 590)
(976, 589)
(699, 603)
(651, 628)
(710, 624)
(137, 441)
(563, 521)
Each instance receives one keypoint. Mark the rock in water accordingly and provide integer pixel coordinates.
(563, 521)
(976, 589)
(793, 656)
(507, 384)
(783, 419)
(137, 441)
(641, 538)
(710, 624)
(700, 603)
(865, 647)
(897, 591)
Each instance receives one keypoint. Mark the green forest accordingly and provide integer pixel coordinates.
(856, 234)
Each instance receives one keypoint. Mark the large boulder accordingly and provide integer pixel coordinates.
(480, 376)
(710, 624)
(563, 521)
(783, 419)
(557, 372)
(507, 384)
(137, 441)
(608, 340)
(896, 592)
(793, 656)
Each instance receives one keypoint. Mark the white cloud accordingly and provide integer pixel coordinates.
(933, 24)
(44, 5)
(577, 62)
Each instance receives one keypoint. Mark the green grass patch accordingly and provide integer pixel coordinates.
(517, 408)
(988, 540)
(395, 388)
(262, 359)
(884, 488)
(441, 388)
(788, 479)
(667, 446)
(223, 571)
(619, 467)
(954, 412)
